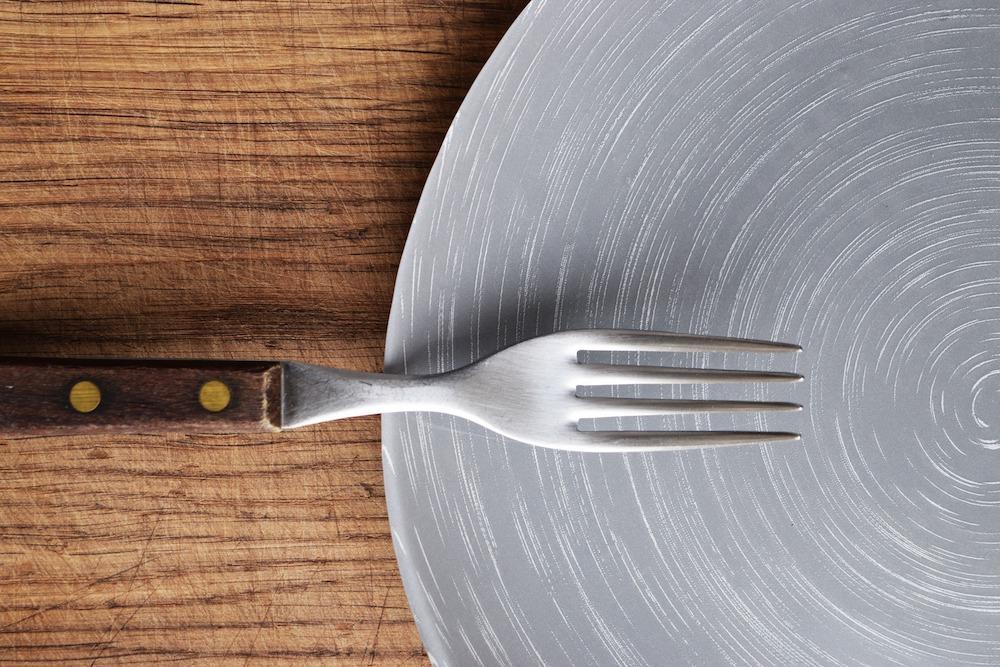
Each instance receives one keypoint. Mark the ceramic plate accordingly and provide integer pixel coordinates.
(825, 172)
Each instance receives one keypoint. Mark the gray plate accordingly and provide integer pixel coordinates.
(823, 172)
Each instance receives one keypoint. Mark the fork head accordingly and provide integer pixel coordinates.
(533, 391)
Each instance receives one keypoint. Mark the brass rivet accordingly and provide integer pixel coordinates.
(85, 396)
(214, 396)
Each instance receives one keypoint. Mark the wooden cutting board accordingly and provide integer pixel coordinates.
(223, 180)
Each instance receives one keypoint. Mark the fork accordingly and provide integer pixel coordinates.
(530, 392)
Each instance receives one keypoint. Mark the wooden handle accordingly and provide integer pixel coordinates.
(71, 396)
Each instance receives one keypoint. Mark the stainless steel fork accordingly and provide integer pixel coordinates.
(530, 392)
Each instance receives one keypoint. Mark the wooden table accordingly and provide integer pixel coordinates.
(226, 180)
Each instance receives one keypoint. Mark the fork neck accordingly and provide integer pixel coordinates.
(315, 394)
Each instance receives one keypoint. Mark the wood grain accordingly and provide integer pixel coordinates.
(223, 180)
(135, 396)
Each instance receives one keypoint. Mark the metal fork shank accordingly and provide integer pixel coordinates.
(316, 394)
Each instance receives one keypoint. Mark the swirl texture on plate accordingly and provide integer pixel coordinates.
(823, 172)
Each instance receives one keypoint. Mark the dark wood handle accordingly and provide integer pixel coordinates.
(72, 396)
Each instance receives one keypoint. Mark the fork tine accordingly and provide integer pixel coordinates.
(620, 340)
(616, 442)
(593, 408)
(608, 374)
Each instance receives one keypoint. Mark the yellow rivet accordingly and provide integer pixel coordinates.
(85, 396)
(214, 396)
